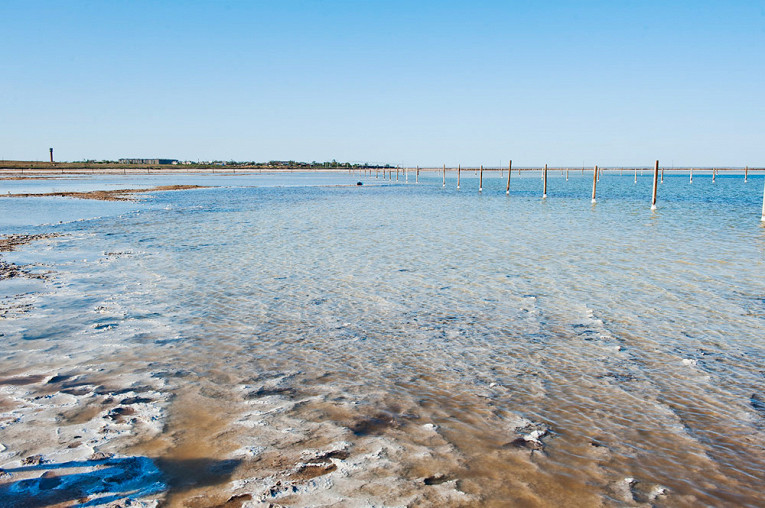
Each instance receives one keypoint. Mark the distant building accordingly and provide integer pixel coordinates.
(148, 161)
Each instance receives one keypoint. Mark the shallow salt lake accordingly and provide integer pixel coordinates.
(300, 340)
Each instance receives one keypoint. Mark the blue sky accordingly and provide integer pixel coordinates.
(557, 82)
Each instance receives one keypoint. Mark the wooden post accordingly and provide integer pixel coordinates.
(691, 175)
(746, 173)
(544, 185)
(406, 174)
(480, 180)
(444, 181)
(655, 182)
(662, 174)
(567, 174)
(509, 170)
(714, 174)
(594, 182)
(417, 175)
(635, 175)
(459, 170)
(397, 173)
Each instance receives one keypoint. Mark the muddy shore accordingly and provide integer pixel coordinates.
(106, 195)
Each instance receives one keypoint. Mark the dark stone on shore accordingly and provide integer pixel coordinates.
(235, 501)
(436, 479)
(135, 400)
(59, 378)
(101, 456)
(34, 460)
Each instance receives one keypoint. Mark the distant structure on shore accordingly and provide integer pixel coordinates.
(148, 161)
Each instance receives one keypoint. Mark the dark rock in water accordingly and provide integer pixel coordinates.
(267, 392)
(359, 183)
(374, 425)
(118, 414)
(525, 444)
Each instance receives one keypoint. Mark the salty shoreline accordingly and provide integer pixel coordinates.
(105, 195)
(225, 347)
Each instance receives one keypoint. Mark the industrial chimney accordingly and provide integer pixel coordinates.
(51, 154)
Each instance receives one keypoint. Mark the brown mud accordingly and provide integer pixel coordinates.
(107, 195)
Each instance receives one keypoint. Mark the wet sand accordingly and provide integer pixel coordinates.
(106, 195)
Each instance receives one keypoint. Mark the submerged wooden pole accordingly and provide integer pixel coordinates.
(691, 175)
(406, 174)
(567, 174)
(417, 175)
(662, 174)
(544, 186)
(480, 180)
(444, 184)
(459, 170)
(509, 171)
(594, 182)
(655, 182)
(714, 174)
(746, 173)
(635, 175)
(397, 173)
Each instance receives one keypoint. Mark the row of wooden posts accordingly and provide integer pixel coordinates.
(595, 177)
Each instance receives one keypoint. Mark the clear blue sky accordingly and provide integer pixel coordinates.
(429, 82)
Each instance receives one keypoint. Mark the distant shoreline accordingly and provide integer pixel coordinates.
(10, 170)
